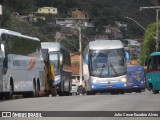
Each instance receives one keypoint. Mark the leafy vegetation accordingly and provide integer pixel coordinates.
(149, 43)
(101, 13)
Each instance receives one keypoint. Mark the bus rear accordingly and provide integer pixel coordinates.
(136, 77)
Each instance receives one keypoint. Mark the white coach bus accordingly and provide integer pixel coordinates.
(60, 57)
(105, 67)
(21, 65)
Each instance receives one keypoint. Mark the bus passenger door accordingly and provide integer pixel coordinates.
(1, 73)
(152, 74)
(1, 65)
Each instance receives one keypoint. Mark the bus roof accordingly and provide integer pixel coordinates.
(17, 34)
(51, 46)
(155, 54)
(105, 44)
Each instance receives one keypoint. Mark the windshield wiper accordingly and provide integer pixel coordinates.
(113, 69)
(102, 69)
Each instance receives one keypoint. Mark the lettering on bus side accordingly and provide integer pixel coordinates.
(19, 63)
(16, 63)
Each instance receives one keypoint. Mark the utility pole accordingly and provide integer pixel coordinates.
(1, 13)
(77, 24)
(157, 10)
(80, 55)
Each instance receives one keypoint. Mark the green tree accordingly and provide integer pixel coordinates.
(149, 42)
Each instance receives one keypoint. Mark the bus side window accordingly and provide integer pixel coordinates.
(158, 62)
(2, 51)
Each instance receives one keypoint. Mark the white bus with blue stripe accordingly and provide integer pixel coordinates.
(105, 67)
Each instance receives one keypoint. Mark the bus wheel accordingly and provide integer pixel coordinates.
(122, 92)
(138, 91)
(67, 93)
(152, 90)
(10, 95)
(60, 93)
(34, 92)
(88, 93)
(114, 92)
(38, 88)
(155, 91)
(1, 96)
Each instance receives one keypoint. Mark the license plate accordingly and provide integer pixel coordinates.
(109, 86)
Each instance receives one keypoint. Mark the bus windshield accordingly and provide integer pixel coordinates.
(53, 56)
(107, 63)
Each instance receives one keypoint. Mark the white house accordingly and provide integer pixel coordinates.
(47, 10)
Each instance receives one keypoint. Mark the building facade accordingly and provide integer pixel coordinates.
(47, 10)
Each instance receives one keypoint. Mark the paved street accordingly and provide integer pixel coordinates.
(105, 102)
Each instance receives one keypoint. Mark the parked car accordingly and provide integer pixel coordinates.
(74, 90)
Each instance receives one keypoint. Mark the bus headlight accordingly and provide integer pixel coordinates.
(123, 79)
(94, 81)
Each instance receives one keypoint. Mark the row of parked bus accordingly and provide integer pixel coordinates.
(22, 65)
(104, 67)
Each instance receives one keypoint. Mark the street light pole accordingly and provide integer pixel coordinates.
(157, 10)
(141, 26)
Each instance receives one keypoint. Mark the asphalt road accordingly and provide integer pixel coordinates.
(106, 102)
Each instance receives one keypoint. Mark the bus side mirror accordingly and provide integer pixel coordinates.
(87, 59)
(3, 51)
(127, 56)
(61, 59)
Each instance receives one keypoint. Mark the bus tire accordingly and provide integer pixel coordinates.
(10, 95)
(60, 93)
(1, 96)
(34, 92)
(138, 91)
(67, 93)
(114, 92)
(88, 92)
(38, 88)
(122, 92)
(152, 90)
(155, 91)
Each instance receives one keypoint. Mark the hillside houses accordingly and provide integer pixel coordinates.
(78, 13)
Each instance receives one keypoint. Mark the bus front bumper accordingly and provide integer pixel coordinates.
(115, 86)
